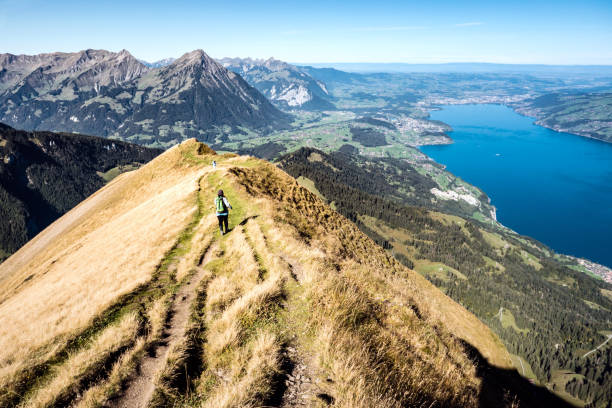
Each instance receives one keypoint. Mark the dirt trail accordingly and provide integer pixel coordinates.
(140, 388)
(600, 346)
(300, 389)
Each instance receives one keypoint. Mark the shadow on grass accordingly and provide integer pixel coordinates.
(243, 222)
(502, 387)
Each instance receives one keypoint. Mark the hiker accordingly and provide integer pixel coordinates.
(214, 164)
(222, 206)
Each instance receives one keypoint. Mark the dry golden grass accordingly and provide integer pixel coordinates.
(246, 391)
(372, 332)
(344, 241)
(226, 331)
(79, 266)
(244, 270)
(222, 292)
(157, 315)
(84, 362)
(98, 395)
(382, 326)
(196, 246)
(418, 362)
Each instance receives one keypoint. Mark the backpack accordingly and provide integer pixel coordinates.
(220, 205)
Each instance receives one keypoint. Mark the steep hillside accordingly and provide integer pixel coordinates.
(549, 312)
(44, 174)
(134, 298)
(284, 84)
(112, 94)
(391, 179)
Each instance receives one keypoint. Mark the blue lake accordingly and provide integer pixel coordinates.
(554, 187)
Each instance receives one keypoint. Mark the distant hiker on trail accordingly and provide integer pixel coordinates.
(222, 206)
(214, 164)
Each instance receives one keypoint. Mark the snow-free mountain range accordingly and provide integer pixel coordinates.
(114, 95)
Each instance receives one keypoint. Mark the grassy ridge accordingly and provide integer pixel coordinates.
(295, 306)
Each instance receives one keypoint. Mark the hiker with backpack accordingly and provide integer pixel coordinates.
(222, 206)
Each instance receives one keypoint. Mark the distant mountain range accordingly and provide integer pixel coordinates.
(114, 95)
(466, 67)
(284, 84)
(45, 174)
(158, 64)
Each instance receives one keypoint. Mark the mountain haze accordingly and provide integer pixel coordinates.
(110, 94)
(284, 84)
(160, 63)
(134, 298)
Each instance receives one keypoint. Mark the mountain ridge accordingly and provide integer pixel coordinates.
(524, 291)
(293, 282)
(114, 95)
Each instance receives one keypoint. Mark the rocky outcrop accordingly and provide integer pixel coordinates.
(284, 84)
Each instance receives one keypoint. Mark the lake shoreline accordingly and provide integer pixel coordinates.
(536, 120)
(489, 159)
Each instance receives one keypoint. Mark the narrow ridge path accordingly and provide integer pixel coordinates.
(140, 388)
(299, 381)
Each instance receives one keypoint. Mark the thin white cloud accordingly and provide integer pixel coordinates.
(470, 24)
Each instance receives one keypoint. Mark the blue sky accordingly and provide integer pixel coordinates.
(548, 32)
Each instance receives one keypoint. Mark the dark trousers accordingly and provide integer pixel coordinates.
(222, 221)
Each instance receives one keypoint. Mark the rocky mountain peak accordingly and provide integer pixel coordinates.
(277, 65)
(197, 58)
(100, 67)
(285, 84)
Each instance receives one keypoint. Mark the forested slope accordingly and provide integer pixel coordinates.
(580, 113)
(386, 178)
(45, 174)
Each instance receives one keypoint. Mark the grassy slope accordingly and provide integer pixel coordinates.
(293, 284)
(45, 174)
(502, 270)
